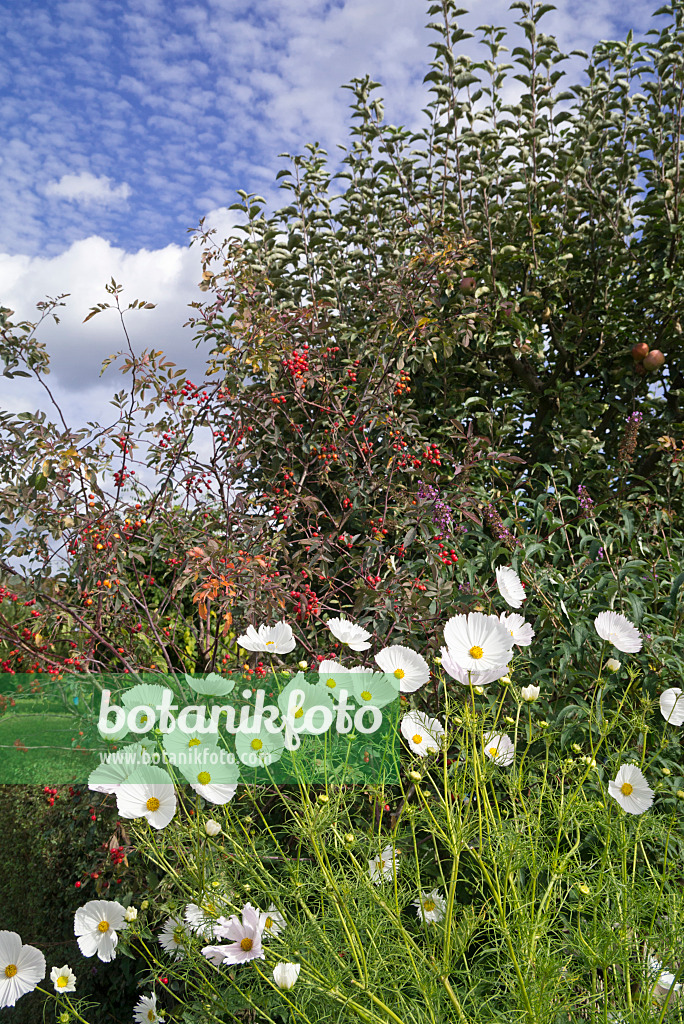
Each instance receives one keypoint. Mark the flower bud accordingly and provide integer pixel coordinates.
(285, 975)
(131, 914)
(437, 661)
(415, 776)
(211, 827)
(303, 665)
(505, 680)
(612, 665)
(584, 889)
(529, 693)
(144, 905)
(666, 771)
(543, 725)
(349, 838)
(323, 799)
(680, 794)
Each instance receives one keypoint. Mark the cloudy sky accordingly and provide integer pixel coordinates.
(124, 123)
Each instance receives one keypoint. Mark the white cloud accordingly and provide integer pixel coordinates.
(87, 188)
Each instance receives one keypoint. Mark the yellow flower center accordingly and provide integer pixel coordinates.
(626, 789)
(194, 742)
(268, 923)
(143, 719)
(204, 778)
(246, 944)
(476, 652)
(151, 1015)
(331, 683)
(366, 695)
(269, 643)
(417, 738)
(299, 712)
(62, 981)
(256, 744)
(10, 970)
(399, 673)
(493, 751)
(178, 935)
(152, 804)
(429, 906)
(103, 926)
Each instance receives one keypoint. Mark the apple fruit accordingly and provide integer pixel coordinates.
(654, 360)
(639, 351)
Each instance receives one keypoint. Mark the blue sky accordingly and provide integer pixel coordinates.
(125, 122)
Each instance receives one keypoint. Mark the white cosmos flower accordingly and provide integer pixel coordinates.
(216, 783)
(145, 1011)
(478, 642)
(520, 630)
(375, 689)
(203, 920)
(430, 906)
(422, 734)
(276, 639)
(271, 921)
(331, 676)
(96, 925)
(661, 980)
(510, 587)
(529, 693)
(148, 793)
(499, 749)
(131, 914)
(173, 937)
(672, 706)
(258, 748)
(116, 768)
(476, 678)
(385, 866)
(21, 968)
(63, 978)
(245, 938)
(618, 631)
(349, 633)
(409, 667)
(631, 790)
(285, 975)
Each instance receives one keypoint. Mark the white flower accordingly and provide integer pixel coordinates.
(384, 866)
(217, 783)
(211, 827)
(430, 907)
(271, 921)
(285, 975)
(375, 689)
(145, 1011)
(520, 630)
(349, 633)
(618, 631)
(478, 642)
(302, 665)
(409, 667)
(529, 693)
(423, 734)
(213, 685)
(475, 678)
(173, 937)
(202, 920)
(631, 790)
(276, 639)
(510, 587)
(131, 914)
(21, 968)
(245, 938)
(331, 676)
(116, 768)
(258, 748)
(63, 978)
(499, 749)
(148, 793)
(612, 665)
(672, 706)
(96, 925)
(661, 980)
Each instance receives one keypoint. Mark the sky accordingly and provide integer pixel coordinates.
(125, 123)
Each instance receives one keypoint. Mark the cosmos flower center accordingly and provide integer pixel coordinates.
(10, 970)
(417, 738)
(331, 683)
(429, 906)
(269, 643)
(268, 923)
(256, 744)
(151, 1015)
(204, 778)
(178, 935)
(103, 926)
(626, 789)
(493, 751)
(476, 652)
(399, 673)
(152, 804)
(194, 742)
(246, 944)
(299, 712)
(143, 719)
(62, 981)
(366, 695)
